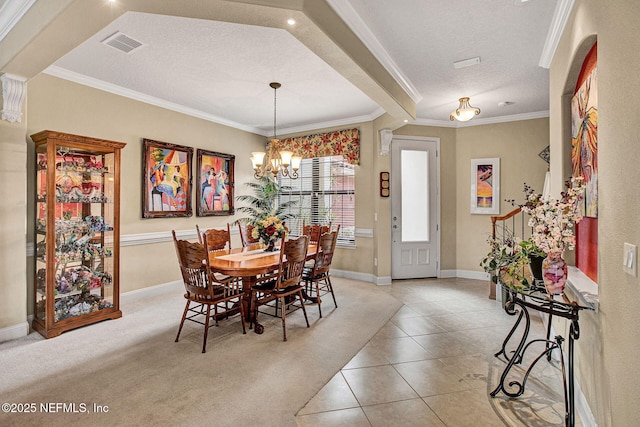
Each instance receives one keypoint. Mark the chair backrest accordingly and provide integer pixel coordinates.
(314, 231)
(293, 254)
(245, 235)
(217, 240)
(324, 253)
(193, 260)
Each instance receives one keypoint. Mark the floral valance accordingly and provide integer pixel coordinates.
(345, 143)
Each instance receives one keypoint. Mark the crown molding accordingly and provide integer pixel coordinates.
(330, 124)
(479, 122)
(357, 25)
(138, 96)
(65, 74)
(11, 12)
(558, 23)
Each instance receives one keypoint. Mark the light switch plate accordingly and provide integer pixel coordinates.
(630, 259)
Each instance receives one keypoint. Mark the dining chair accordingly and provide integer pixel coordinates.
(285, 284)
(314, 231)
(319, 273)
(245, 235)
(216, 240)
(203, 290)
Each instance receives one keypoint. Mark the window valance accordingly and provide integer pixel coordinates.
(345, 143)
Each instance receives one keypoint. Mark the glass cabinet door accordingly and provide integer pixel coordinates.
(75, 237)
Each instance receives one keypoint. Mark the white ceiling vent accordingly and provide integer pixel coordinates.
(122, 42)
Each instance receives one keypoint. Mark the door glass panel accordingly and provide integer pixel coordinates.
(414, 166)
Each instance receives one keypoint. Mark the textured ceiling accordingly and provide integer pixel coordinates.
(220, 70)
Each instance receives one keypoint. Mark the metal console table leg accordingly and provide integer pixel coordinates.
(546, 304)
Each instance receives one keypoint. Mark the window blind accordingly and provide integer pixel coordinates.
(325, 192)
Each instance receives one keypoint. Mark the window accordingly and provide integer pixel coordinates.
(325, 192)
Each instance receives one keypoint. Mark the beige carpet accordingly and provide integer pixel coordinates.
(132, 365)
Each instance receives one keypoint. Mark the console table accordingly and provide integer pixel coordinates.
(537, 299)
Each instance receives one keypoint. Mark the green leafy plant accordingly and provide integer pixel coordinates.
(507, 262)
(263, 203)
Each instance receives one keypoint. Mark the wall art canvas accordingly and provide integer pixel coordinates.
(584, 140)
(166, 180)
(215, 172)
(485, 186)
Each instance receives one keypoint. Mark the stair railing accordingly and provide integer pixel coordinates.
(508, 227)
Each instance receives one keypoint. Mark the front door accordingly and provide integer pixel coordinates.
(414, 207)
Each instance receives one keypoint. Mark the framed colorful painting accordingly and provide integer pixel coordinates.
(215, 183)
(485, 186)
(166, 180)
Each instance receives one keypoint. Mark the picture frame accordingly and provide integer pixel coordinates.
(384, 184)
(215, 183)
(485, 186)
(166, 179)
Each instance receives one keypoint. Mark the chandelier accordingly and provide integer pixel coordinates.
(275, 160)
(464, 112)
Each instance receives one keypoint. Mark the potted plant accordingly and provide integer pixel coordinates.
(264, 202)
(507, 263)
(535, 256)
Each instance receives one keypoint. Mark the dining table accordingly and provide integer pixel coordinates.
(249, 263)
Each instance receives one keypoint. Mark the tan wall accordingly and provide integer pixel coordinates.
(608, 348)
(13, 160)
(64, 106)
(517, 144)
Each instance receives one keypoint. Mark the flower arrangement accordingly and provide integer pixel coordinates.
(269, 230)
(552, 220)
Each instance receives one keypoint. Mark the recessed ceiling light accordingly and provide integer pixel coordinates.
(291, 21)
(466, 62)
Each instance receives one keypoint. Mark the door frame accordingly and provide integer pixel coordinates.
(395, 197)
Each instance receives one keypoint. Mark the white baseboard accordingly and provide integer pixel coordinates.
(470, 274)
(14, 332)
(150, 291)
(448, 274)
(363, 277)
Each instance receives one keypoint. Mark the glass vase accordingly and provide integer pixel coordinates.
(554, 270)
(271, 246)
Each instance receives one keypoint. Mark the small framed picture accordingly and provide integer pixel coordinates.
(166, 180)
(215, 183)
(485, 186)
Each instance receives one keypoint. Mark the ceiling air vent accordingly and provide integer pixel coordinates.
(122, 42)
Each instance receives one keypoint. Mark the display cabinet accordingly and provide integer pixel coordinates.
(77, 231)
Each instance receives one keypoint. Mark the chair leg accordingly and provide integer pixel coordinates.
(304, 310)
(328, 279)
(318, 296)
(284, 322)
(206, 329)
(244, 329)
(184, 316)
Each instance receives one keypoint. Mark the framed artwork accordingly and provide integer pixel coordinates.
(215, 183)
(166, 180)
(485, 186)
(584, 140)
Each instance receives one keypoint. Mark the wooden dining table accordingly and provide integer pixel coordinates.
(249, 263)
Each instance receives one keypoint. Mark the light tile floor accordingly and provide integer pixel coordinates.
(433, 364)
